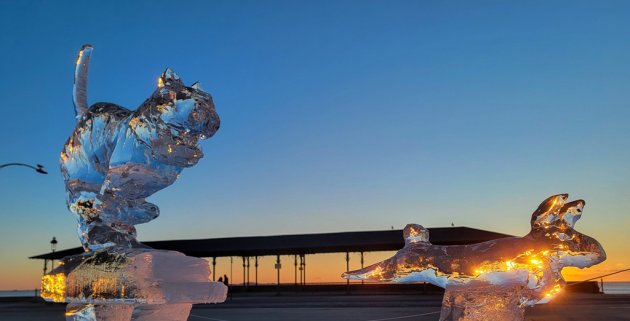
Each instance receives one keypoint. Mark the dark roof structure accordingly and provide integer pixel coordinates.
(366, 241)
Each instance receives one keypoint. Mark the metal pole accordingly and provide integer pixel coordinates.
(347, 270)
(39, 168)
(361, 264)
(256, 268)
(295, 268)
(45, 266)
(243, 270)
(278, 266)
(248, 271)
(301, 268)
(214, 268)
(304, 268)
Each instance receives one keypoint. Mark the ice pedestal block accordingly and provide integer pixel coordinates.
(113, 161)
(494, 280)
(122, 284)
(482, 304)
(127, 312)
(141, 276)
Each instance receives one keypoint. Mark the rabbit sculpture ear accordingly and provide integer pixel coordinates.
(571, 212)
(548, 212)
(79, 91)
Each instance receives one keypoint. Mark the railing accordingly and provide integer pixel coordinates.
(601, 278)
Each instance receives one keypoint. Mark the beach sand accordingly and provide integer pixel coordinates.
(568, 307)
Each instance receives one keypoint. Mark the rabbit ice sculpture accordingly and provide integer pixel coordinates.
(494, 280)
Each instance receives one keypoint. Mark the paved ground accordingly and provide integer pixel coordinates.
(574, 307)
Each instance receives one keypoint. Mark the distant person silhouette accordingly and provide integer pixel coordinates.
(226, 281)
(221, 279)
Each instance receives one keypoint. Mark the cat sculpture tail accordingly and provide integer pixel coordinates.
(79, 91)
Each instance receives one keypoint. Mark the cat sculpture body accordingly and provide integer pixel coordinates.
(115, 158)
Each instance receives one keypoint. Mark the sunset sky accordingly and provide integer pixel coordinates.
(336, 116)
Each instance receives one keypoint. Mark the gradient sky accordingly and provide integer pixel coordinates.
(336, 115)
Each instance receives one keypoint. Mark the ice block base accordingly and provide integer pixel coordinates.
(128, 312)
(121, 284)
(487, 302)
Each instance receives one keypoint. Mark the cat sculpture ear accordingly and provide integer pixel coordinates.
(169, 78)
(197, 86)
(79, 91)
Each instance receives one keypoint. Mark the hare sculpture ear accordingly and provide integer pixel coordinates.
(571, 212)
(79, 91)
(548, 211)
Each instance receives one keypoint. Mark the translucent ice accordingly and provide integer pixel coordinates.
(115, 159)
(494, 279)
(132, 276)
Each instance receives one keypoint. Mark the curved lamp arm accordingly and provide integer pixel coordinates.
(39, 168)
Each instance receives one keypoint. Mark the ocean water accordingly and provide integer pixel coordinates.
(617, 287)
(16, 293)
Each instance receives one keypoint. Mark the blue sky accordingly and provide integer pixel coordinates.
(336, 115)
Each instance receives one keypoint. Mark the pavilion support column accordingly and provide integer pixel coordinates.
(243, 271)
(248, 274)
(295, 268)
(361, 263)
(347, 270)
(278, 266)
(301, 268)
(45, 266)
(304, 267)
(214, 268)
(256, 269)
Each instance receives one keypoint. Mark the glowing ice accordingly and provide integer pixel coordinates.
(494, 280)
(112, 162)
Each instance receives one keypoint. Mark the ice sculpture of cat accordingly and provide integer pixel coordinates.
(115, 157)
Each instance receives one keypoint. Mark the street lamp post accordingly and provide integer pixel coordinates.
(53, 244)
(53, 248)
(39, 168)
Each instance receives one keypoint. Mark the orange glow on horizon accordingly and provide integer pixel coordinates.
(320, 268)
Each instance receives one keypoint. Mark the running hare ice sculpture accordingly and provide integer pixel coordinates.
(494, 280)
(113, 160)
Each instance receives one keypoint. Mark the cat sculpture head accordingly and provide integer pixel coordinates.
(174, 119)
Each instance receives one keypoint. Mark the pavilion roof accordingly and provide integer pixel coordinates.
(363, 241)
